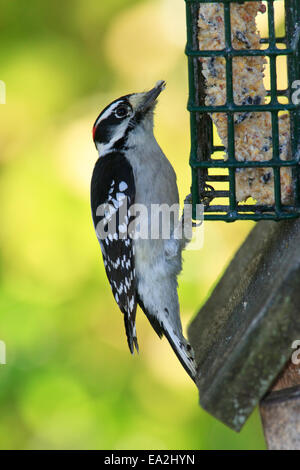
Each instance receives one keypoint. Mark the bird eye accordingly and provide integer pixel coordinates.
(121, 111)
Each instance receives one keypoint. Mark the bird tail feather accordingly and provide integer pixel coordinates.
(183, 351)
(179, 344)
(131, 333)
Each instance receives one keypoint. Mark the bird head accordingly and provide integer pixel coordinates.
(123, 117)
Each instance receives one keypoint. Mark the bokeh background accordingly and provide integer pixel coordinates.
(70, 381)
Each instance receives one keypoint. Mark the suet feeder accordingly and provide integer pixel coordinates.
(245, 152)
(248, 158)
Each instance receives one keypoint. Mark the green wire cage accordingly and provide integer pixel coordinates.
(214, 177)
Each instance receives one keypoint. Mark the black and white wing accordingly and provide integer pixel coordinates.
(112, 194)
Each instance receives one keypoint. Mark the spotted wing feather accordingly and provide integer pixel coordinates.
(112, 194)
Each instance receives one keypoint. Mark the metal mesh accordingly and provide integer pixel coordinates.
(214, 178)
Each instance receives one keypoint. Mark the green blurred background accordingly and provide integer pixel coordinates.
(70, 381)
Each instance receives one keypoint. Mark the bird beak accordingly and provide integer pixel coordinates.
(149, 97)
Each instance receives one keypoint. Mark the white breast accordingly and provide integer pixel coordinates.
(155, 182)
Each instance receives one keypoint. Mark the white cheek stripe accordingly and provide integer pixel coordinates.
(103, 149)
(107, 112)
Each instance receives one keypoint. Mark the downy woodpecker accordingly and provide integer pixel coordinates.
(132, 169)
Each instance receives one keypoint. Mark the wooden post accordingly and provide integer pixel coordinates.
(244, 334)
(280, 411)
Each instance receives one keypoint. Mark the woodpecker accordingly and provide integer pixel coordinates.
(132, 169)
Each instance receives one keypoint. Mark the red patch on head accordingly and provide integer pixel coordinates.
(94, 132)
